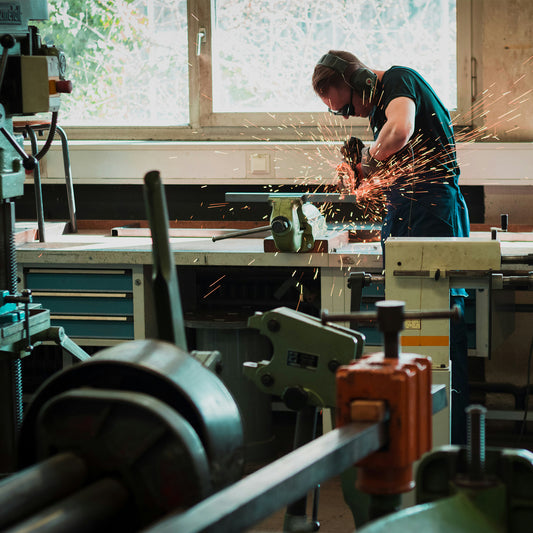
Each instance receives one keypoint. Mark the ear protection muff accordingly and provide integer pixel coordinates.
(363, 80)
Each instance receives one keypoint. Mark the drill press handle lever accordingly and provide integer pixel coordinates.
(29, 162)
(7, 41)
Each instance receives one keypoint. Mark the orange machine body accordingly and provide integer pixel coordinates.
(404, 384)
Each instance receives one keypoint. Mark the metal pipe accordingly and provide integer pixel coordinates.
(88, 510)
(454, 314)
(240, 233)
(68, 180)
(37, 185)
(26, 492)
(518, 259)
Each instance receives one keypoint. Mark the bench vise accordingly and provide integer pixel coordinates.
(295, 223)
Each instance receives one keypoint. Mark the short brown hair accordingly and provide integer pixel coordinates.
(325, 77)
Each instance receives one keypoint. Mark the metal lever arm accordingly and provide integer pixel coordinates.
(58, 335)
(7, 41)
(169, 314)
(28, 161)
(454, 314)
(240, 233)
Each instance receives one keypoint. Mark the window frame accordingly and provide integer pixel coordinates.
(204, 125)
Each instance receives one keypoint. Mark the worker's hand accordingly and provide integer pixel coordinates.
(369, 165)
(351, 151)
(348, 179)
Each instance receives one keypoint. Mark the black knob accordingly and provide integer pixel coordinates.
(295, 398)
(280, 224)
(267, 380)
(504, 220)
(29, 162)
(7, 40)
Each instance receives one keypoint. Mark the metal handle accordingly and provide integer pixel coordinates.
(454, 313)
(200, 39)
(240, 233)
(28, 161)
(7, 41)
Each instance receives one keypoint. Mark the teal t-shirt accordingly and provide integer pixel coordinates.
(427, 200)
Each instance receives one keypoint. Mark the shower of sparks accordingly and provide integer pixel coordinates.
(212, 291)
(323, 170)
(216, 281)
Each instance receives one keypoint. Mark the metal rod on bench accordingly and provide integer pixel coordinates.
(37, 184)
(240, 233)
(68, 180)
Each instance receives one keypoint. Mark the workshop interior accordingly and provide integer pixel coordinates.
(200, 332)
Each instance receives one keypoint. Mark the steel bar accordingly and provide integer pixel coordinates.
(240, 233)
(168, 310)
(336, 198)
(34, 488)
(258, 495)
(518, 259)
(454, 314)
(37, 185)
(68, 180)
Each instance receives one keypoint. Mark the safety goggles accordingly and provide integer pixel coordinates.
(346, 110)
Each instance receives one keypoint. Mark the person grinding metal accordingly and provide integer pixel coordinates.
(414, 155)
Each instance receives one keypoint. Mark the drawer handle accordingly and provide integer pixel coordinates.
(82, 294)
(91, 318)
(73, 271)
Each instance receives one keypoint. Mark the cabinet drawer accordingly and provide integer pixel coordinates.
(86, 303)
(79, 279)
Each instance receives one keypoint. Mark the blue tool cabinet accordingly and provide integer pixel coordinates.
(89, 303)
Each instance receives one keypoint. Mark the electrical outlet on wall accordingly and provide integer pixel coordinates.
(259, 163)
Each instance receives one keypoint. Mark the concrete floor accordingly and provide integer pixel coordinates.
(334, 515)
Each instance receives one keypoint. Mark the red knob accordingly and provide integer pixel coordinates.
(63, 86)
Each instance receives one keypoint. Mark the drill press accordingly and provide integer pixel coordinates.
(31, 80)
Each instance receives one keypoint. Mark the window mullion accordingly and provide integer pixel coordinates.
(464, 63)
(200, 78)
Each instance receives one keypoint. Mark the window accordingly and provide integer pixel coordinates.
(127, 60)
(240, 70)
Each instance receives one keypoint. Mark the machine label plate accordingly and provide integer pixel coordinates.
(302, 360)
(10, 13)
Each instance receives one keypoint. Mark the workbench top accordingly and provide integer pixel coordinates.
(100, 247)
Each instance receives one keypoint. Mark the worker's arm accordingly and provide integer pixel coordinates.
(398, 129)
(393, 137)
